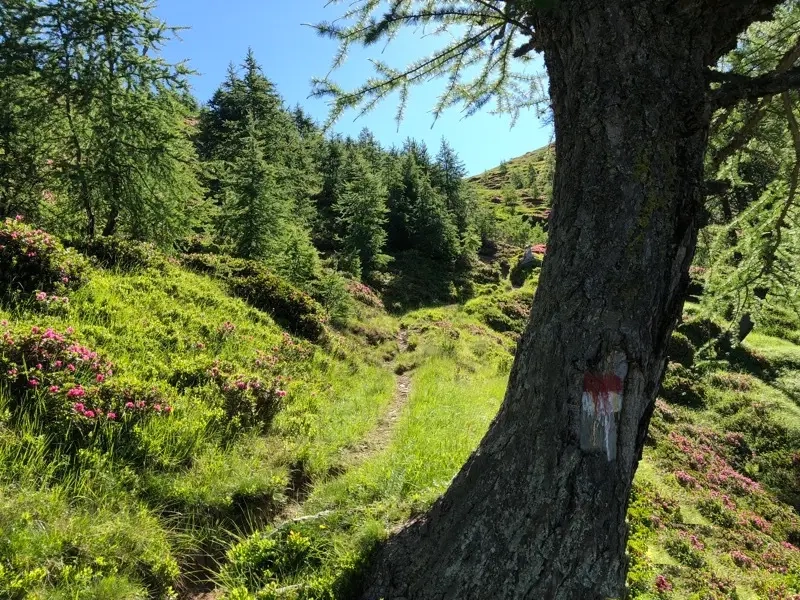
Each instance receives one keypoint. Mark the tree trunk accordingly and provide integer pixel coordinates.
(538, 512)
(111, 223)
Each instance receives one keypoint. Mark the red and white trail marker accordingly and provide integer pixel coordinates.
(601, 401)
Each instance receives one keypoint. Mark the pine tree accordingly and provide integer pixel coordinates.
(418, 215)
(332, 165)
(252, 95)
(448, 177)
(256, 208)
(361, 215)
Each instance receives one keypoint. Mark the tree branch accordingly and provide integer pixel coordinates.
(736, 88)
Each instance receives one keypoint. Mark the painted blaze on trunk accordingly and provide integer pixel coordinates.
(601, 403)
(538, 511)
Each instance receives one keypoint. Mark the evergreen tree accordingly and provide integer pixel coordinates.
(332, 163)
(361, 215)
(128, 160)
(418, 215)
(29, 127)
(297, 259)
(448, 177)
(252, 96)
(255, 211)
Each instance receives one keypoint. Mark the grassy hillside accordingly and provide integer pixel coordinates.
(521, 186)
(206, 452)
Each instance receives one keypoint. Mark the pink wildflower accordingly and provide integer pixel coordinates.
(111, 416)
(281, 393)
(100, 378)
(33, 382)
(89, 414)
(39, 366)
(71, 368)
(662, 584)
(54, 389)
(78, 407)
(168, 409)
(35, 329)
(129, 405)
(77, 392)
(41, 296)
(157, 408)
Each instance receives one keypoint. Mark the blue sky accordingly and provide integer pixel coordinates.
(291, 54)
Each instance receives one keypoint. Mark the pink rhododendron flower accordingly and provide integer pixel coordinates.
(662, 584)
(77, 392)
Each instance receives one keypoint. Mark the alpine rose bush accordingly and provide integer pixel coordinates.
(65, 389)
(32, 260)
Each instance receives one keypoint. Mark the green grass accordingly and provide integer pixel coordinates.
(98, 525)
(294, 505)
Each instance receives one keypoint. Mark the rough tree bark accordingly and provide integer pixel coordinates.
(538, 511)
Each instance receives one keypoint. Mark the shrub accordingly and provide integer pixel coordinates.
(739, 382)
(64, 389)
(716, 511)
(680, 387)
(332, 292)
(32, 260)
(680, 350)
(252, 398)
(681, 549)
(697, 283)
(700, 330)
(269, 557)
(520, 272)
(364, 294)
(128, 255)
(291, 308)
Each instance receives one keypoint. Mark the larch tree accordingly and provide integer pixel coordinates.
(538, 511)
